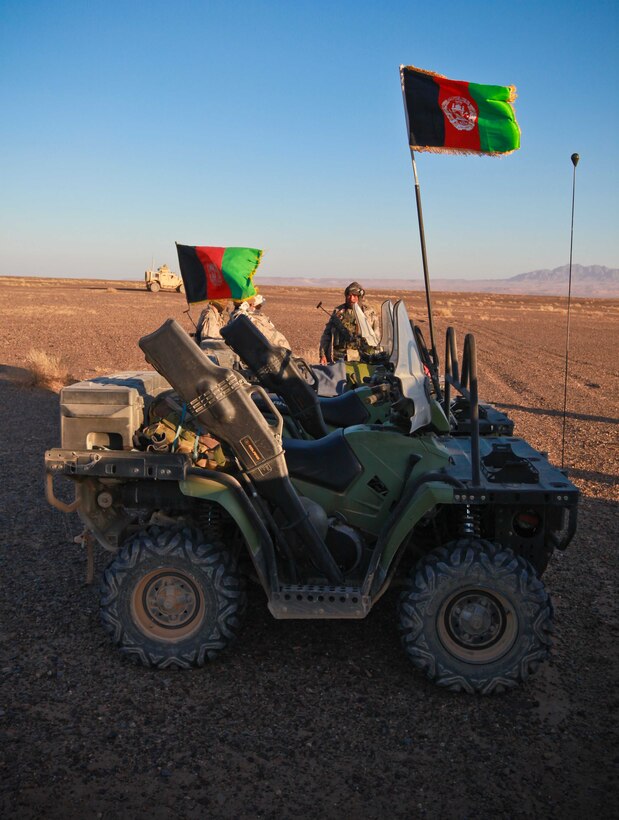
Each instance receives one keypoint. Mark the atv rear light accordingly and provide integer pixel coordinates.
(527, 523)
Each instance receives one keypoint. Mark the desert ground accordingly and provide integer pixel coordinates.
(301, 719)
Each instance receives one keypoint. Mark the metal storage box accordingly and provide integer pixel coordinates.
(107, 411)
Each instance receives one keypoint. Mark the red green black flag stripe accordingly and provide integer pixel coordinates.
(454, 116)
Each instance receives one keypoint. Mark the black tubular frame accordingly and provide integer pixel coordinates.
(465, 382)
(426, 359)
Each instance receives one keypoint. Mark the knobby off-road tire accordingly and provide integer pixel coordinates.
(475, 617)
(155, 287)
(170, 599)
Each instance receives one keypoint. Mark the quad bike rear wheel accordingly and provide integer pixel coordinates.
(170, 599)
(475, 617)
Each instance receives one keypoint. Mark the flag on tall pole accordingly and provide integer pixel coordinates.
(457, 117)
(454, 117)
(217, 273)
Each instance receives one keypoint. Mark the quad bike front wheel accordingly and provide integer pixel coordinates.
(170, 599)
(475, 617)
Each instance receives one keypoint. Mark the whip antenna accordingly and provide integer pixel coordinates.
(574, 158)
(188, 312)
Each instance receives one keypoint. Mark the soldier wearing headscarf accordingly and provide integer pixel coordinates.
(341, 338)
(214, 316)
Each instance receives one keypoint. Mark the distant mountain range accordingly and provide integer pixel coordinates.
(587, 280)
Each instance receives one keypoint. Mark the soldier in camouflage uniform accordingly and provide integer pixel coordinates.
(252, 308)
(341, 338)
(214, 316)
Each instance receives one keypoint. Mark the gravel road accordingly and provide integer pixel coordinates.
(298, 718)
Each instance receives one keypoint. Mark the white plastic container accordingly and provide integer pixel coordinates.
(108, 410)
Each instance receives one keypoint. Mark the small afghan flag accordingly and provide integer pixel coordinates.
(217, 273)
(456, 117)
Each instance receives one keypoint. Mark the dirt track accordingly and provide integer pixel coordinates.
(302, 719)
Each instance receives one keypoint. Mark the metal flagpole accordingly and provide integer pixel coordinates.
(424, 258)
(574, 159)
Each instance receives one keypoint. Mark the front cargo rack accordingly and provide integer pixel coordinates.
(117, 464)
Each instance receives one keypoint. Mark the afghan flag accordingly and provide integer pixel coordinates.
(456, 117)
(217, 273)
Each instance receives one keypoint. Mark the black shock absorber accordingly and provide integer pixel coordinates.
(211, 521)
(469, 523)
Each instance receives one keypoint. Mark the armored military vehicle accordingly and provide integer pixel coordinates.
(163, 279)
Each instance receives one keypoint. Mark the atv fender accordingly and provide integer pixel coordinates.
(240, 510)
(396, 529)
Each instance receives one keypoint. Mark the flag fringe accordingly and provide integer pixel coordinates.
(466, 151)
(423, 71)
(207, 301)
(258, 261)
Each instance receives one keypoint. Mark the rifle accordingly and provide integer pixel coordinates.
(347, 336)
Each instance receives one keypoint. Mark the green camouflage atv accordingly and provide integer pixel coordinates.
(464, 524)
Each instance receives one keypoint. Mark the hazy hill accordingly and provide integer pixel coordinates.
(580, 273)
(587, 280)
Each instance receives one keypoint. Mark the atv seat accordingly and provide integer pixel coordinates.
(328, 462)
(344, 410)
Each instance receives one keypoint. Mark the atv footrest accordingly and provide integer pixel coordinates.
(312, 601)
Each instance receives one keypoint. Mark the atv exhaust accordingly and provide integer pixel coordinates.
(221, 400)
(277, 371)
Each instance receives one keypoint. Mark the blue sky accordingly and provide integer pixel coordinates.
(128, 126)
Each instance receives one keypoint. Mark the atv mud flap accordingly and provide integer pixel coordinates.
(402, 521)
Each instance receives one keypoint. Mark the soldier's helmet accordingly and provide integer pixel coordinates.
(355, 289)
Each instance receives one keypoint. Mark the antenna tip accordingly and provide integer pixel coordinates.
(575, 158)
